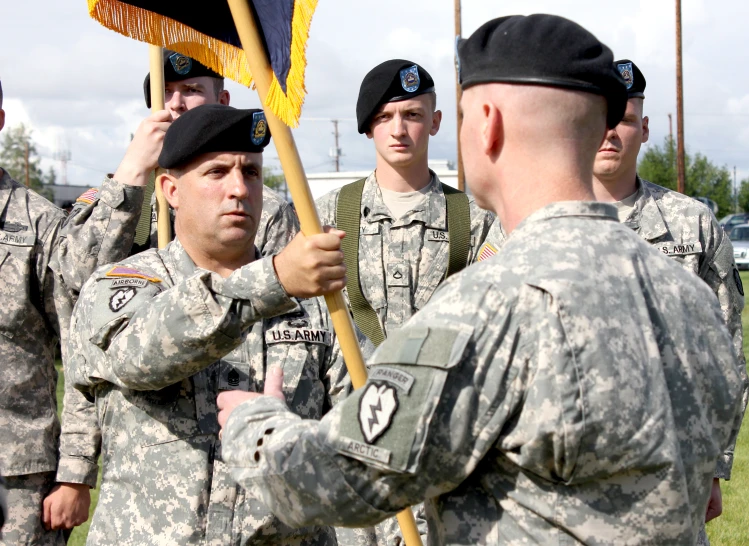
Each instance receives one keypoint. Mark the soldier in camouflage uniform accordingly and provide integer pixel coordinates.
(116, 220)
(404, 244)
(35, 304)
(577, 388)
(403, 253)
(678, 226)
(157, 336)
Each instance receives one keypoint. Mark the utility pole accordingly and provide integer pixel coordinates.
(458, 94)
(735, 192)
(680, 167)
(26, 160)
(336, 151)
(63, 156)
(670, 130)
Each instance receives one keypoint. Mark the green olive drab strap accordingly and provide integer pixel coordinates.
(143, 229)
(458, 228)
(348, 219)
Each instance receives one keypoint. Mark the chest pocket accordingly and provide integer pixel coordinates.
(686, 253)
(18, 287)
(385, 423)
(371, 266)
(300, 348)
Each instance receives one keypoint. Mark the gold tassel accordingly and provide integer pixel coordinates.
(225, 59)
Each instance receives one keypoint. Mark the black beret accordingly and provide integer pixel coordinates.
(632, 77)
(178, 67)
(542, 50)
(213, 128)
(391, 81)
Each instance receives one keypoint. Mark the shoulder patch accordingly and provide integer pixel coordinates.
(88, 197)
(121, 298)
(486, 251)
(377, 408)
(122, 271)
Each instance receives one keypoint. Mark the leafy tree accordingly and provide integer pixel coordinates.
(13, 159)
(702, 177)
(744, 195)
(275, 181)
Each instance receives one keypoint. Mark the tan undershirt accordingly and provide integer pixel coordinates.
(401, 203)
(625, 206)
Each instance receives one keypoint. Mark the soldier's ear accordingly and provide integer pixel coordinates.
(436, 122)
(169, 188)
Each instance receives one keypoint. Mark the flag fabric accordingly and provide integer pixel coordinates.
(205, 31)
(88, 196)
(485, 252)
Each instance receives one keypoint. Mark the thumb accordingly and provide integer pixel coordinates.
(274, 383)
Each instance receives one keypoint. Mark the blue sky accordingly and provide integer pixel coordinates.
(79, 85)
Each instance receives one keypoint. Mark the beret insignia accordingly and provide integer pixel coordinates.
(410, 79)
(180, 63)
(259, 128)
(625, 69)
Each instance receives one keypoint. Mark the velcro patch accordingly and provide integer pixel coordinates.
(679, 249)
(377, 407)
(299, 335)
(122, 271)
(487, 251)
(121, 298)
(88, 197)
(399, 378)
(438, 235)
(364, 451)
(17, 240)
(128, 281)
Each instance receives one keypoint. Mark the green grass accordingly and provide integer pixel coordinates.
(731, 529)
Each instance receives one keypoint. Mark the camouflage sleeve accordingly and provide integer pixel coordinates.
(152, 337)
(281, 226)
(80, 438)
(99, 231)
(393, 442)
(326, 208)
(481, 225)
(723, 277)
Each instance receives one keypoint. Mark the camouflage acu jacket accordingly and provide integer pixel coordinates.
(686, 230)
(578, 387)
(34, 311)
(154, 339)
(402, 261)
(101, 230)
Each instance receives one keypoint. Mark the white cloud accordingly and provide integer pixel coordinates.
(74, 80)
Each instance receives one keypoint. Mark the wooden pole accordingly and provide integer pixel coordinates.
(680, 159)
(163, 223)
(305, 207)
(458, 94)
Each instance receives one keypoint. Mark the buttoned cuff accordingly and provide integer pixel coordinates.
(121, 196)
(77, 470)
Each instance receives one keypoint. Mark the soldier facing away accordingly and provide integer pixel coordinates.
(680, 227)
(577, 387)
(155, 337)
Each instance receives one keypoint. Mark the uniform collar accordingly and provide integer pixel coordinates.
(13, 215)
(569, 209)
(183, 263)
(432, 211)
(646, 218)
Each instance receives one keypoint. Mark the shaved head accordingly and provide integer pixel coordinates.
(526, 141)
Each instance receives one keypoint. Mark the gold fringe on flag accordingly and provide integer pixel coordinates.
(225, 59)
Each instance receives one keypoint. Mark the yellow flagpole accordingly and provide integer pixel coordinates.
(305, 206)
(157, 103)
